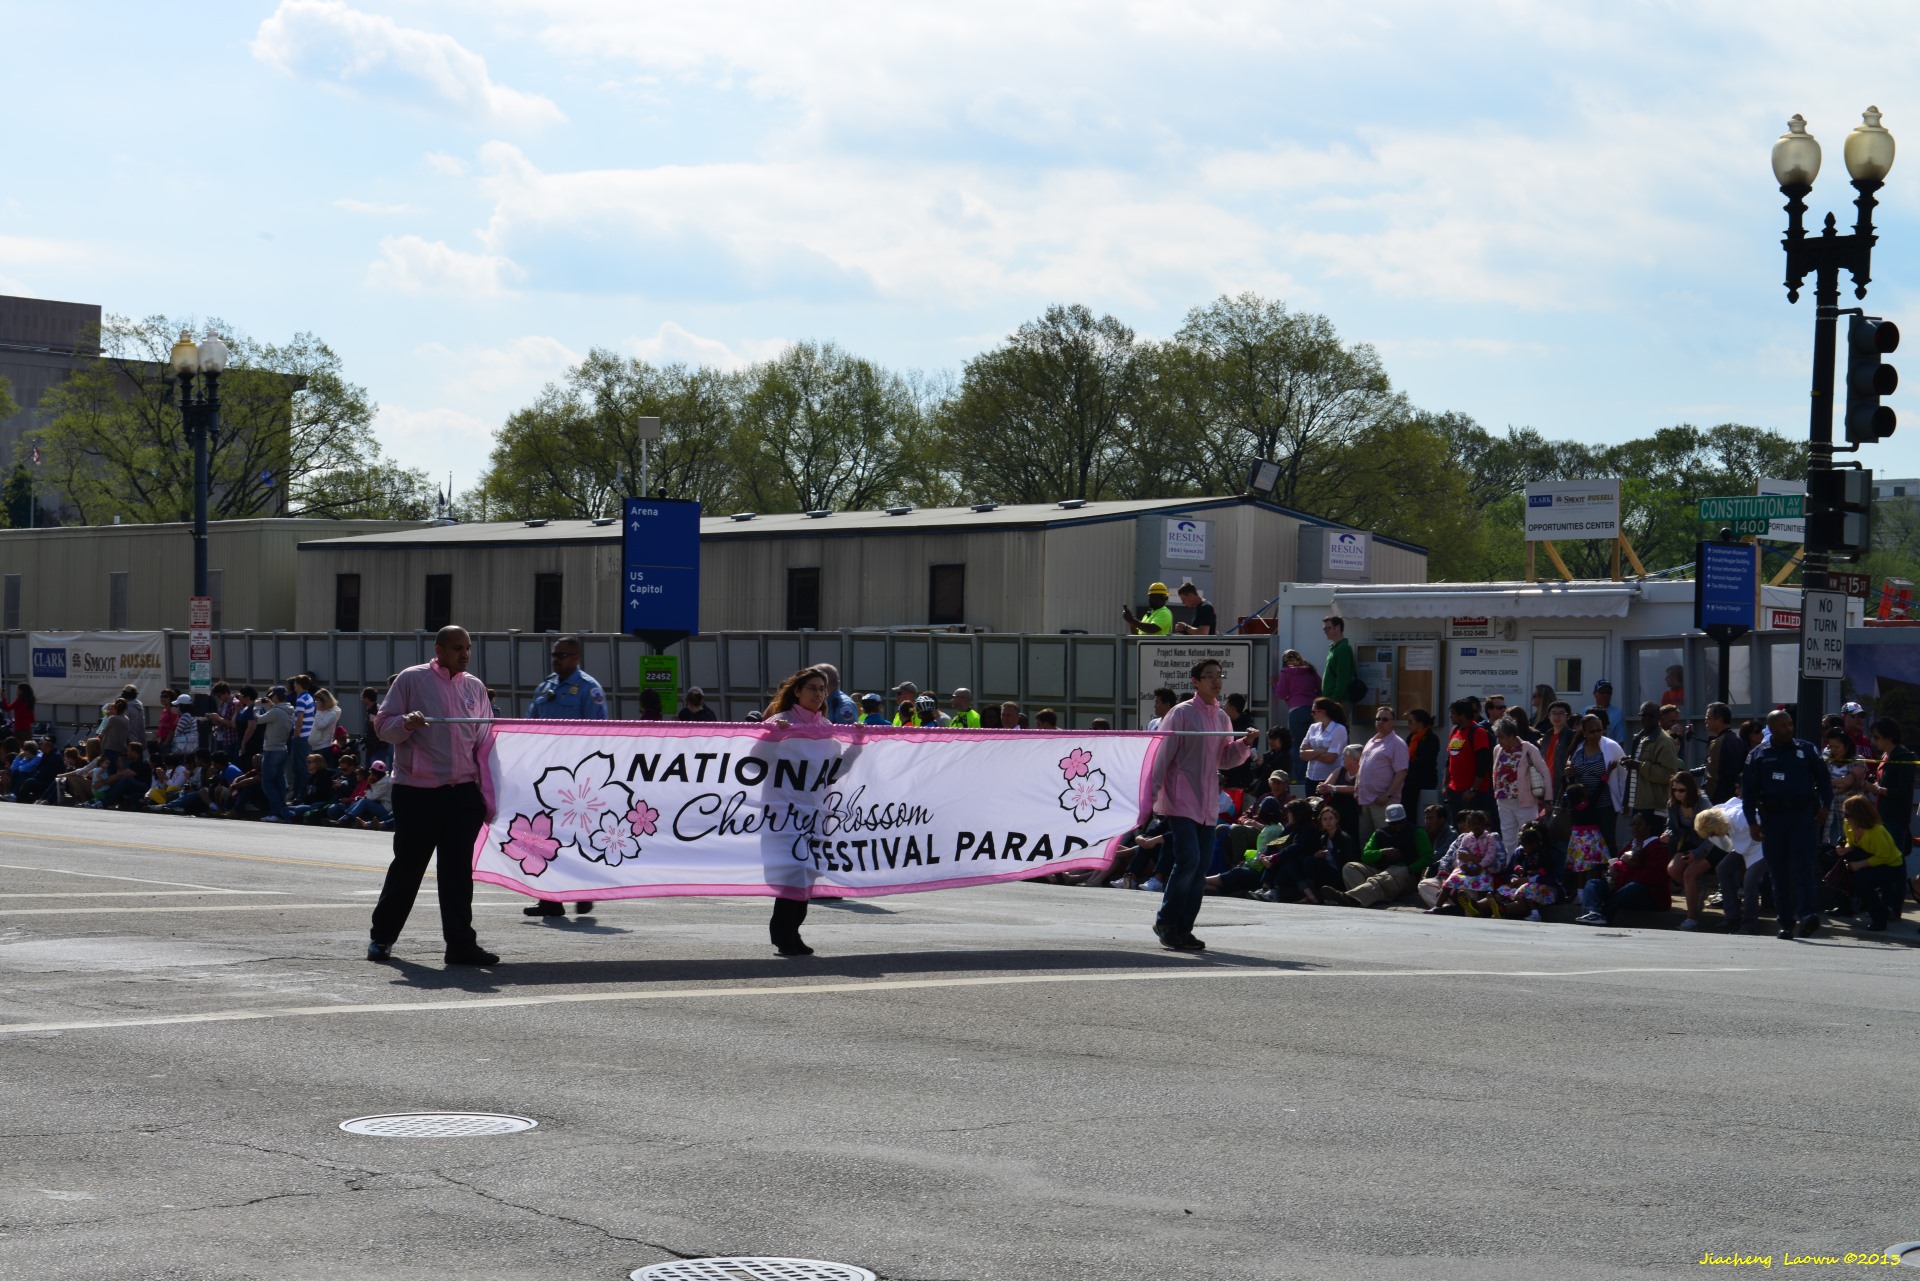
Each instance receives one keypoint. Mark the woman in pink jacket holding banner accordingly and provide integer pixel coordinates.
(800, 700)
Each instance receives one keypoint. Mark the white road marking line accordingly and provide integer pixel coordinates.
(356, 904)
(140, 893)
(813, 989)
(137, 880)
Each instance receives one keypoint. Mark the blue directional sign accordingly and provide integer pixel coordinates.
(1726, 586)
(661, 585)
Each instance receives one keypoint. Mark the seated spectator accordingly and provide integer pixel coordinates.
(1531, 886)
(651, 709)
(247, 792)
(1137, 856)
(1045, 718)
(1390, 865)
(1878, 867)
(374, 808)
(1338, 789)
(1306, 868)
(1434, 822)
(1245, 875)
(1099, 722)
(21, 770)
(43, 787)
(1636, 881)
(1693, 857)
(1476, 852)
(126, 786)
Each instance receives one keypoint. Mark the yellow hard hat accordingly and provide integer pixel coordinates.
(1157, 589)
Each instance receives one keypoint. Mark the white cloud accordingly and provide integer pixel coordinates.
(413, 265)
(432, 438)
(330, 41)
(370, 207)
(445, 165)
(515, 369)
(674, 343)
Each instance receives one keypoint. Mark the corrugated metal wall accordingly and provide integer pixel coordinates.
(65, 572)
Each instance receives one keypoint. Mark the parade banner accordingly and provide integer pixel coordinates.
(634, 809)
(90, 667)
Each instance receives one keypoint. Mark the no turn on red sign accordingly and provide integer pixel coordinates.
(1823, 636)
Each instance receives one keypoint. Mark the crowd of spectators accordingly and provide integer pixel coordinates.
(282, 756)
(1552, 813)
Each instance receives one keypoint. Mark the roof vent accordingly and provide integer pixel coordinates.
(1073, 504)
(744, 515)
(602, 521)
(898, 511)
(536, 524)
(987, 506)
(820, 513)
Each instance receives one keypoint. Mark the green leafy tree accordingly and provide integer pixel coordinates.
(295, 436)
(1266, 382)
(1049, 414)
(576, 451)
(822, 429)
(8, 406)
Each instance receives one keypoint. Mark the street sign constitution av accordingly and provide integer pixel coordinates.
(1754, 507)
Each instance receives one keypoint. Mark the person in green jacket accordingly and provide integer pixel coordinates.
(1337, 675)
(1391, 863)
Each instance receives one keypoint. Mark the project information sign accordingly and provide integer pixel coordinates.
(1726, 591)
(1168, 663)
(634, 809)
(1823, 636)
(1573, 509)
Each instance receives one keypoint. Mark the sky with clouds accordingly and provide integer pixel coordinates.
(1542, 213)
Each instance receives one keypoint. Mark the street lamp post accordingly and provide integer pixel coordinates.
(1796, 163)
(200, 415)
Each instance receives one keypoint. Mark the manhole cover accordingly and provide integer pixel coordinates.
(437, 1125)
(750, 1270)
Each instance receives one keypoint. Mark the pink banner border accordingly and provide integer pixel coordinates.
(751, 729)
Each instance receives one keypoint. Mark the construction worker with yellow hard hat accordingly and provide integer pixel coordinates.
(1158, 620)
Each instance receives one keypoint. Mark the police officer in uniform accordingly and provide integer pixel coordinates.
(569, 694)
(1787, 793)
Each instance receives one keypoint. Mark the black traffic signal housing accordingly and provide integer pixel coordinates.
(1840, 511)
(1869, 378)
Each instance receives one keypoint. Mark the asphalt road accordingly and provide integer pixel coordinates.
(1001, 1084)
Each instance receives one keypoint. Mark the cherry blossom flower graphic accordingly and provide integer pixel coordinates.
(613, 842)
(530, 843)
(1075, 764)
(641, 818)
(1086, 796)
(580, 797)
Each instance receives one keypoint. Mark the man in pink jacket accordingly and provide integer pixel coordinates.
(1186, 792)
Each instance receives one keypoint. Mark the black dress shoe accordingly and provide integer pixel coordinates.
(583, 909)
(1809, 926)
(379, 951)
(792, 946)
(544, 908)
(1180, 943)
(1785, 934)
(472, 956)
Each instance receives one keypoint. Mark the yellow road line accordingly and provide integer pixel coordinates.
(825, 989)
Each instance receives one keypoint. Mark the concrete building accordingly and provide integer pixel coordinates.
(139, 577)
(41, 342)
(1037, 568)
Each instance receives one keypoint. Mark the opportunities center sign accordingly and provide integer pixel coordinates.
(605, 810)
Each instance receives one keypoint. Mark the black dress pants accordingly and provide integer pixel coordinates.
(426, 821)
(787, 915)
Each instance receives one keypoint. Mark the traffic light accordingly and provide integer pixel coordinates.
(1840, 510)
(1869, 378)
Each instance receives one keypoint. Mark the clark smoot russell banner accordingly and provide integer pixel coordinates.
(606, 810)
